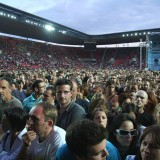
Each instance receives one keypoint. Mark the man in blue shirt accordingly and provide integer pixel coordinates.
(86, 140)
(38, 88)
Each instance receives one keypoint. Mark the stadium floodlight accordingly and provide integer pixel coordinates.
(64, 32)
(135, 34)
(49, 27)
(127, 35)
(144, 33)
(131, 34)
(123, 35)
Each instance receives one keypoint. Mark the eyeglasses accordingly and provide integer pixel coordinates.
(64, 92)
(122, 132)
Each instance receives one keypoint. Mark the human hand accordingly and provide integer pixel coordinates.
(28, 137)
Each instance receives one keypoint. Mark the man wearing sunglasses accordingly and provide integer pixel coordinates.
(144, 118)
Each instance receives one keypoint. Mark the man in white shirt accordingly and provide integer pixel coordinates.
(42, 140)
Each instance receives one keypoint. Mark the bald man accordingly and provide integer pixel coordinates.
(144, 118)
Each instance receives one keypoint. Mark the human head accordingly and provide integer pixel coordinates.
(5, 89)
(20, 84)
(133, 87)
(150, 143)
(131, 109)
(13, 85)
(141, 98)
(97, 88)
(114, 103)
(99, 115)
(96, 103)
(146, 86)
(38, 87)
(63, 89)
(74, 89)
(53, 79)
(132, 96)
(14, 118)
(110, 86)
(123, 99)
(123, 130)
(49, 95)
(87, 140)
(113, 77)
(139, 80)
(42, 118)
(60, 74)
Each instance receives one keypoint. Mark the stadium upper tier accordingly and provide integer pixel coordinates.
(20, 23)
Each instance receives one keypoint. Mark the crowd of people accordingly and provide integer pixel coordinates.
(68, 113)
(23, 54)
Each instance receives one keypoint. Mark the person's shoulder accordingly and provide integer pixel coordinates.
(56, 137)
(61, 134)
(76, 106)
(110, 146)
(16, 102)
(59, 130)
(113, 152)
(27, 98)
(64, 153)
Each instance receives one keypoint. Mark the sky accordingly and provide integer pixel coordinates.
(95, 17)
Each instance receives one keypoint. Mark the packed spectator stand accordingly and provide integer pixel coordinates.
(20, 54)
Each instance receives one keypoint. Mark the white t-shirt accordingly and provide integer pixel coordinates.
(46, 150)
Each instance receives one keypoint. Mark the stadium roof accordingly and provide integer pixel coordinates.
(20, 23)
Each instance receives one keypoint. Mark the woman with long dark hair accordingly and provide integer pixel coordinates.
(124, 134)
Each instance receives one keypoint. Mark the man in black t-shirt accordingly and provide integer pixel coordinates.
(144, 118)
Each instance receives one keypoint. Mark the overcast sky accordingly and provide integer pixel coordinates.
(95, 16)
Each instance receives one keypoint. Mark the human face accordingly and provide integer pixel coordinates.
(139, 80)
(100, 117)
(63, 95)
(74, 90)
(125, 140)
(41, 88)
(141, 99)
(97, 152)
(48, 97)
(146, 86)
(126, 101)
(5, 91)
(53, 79)
(111, 89)
(20, 86)
(132, 96)
(148, 149)
(113, 78)
(37, 122)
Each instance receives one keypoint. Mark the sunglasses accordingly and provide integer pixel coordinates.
(122, 132)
